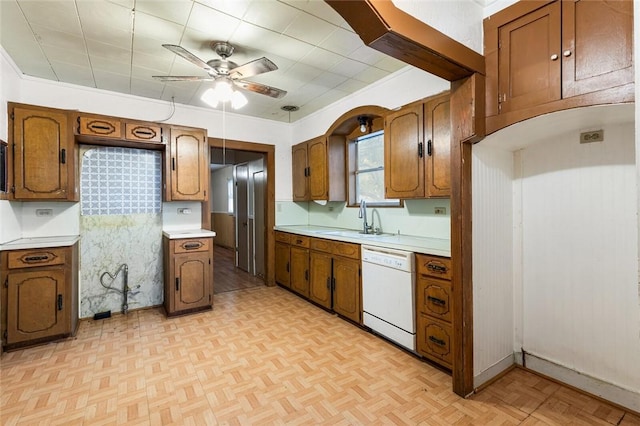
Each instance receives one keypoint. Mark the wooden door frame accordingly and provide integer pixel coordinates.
(392, 31)
(270, 198)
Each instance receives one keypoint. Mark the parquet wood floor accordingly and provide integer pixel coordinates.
(262, 356)
(226, 276)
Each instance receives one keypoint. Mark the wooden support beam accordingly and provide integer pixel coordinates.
(390, 30)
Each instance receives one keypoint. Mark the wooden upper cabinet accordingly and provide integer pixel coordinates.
(299, 180)
(317, 160)
(597, 45)
(188, 165)
(529, 59)
(318, 169)
(438, 134)
(43, 162)
(546, 56)
(404, 153)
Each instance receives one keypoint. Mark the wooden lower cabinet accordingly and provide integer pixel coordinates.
(347, 288)
(40, 296)
(321, 282)
(188, 275)
(434, 315)
(283, 264)
(300, 270)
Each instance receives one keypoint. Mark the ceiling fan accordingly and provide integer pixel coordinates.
(227, 74)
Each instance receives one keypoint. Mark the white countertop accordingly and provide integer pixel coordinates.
(174, 234)
(42, 242)
(424, 245)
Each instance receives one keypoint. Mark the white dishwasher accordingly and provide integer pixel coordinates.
(388, 294)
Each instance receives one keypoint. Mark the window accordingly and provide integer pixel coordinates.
(367, 170)
(230, 196)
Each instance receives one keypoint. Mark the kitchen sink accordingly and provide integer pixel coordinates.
(353, 234)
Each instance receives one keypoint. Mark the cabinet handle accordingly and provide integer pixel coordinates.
(59, 302)
(437, 341)
(419, 149)
(328, 283)
(429, 147)
(436, 301)
(63, 156)
(554, 57)
(287, 266)
(192, 246)
(36, 258)
(437, 267)
(177, 284)
(306, 275)
(566, 53)
(333, 283)
(173, 163)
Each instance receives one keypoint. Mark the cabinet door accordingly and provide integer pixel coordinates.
(404, 154)
(37, 305)
(529, 59)
(192, 287)
(189, 168)
(597, 45)
(43, 159)
(438, 135)
(300, 181)
(320, 280)
(283, 264)
(346, 291)
(318, 174)
(300, 270)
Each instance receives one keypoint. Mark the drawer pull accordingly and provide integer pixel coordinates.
(298, 241)
(192, 246)
(143, 133)
(437, 267)
(39, 258)
(436, 301)
(101, 127)
(59, 302)
(437, 341)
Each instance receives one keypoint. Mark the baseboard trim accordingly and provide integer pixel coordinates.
(494, 372)
(624, 398)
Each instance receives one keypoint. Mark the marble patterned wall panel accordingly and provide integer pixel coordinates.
(106, 243)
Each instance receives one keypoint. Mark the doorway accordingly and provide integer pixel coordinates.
(238, 216)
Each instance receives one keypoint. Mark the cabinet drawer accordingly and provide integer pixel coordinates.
(319, 244)
(300, 241)
(143, 132)
(434, 339)
(100, 126)
(434, 298)
(189, 245)
(35, 258)
(347, 250)
(283, 237)
(434, 266)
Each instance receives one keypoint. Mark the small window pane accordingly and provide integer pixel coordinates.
(369, 170)
(371, 151)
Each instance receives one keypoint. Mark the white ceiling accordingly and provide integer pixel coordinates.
(116, 45)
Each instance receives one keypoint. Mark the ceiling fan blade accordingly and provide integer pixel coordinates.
(181, 51)
(261, 88)
(182, 78)
(252, 68)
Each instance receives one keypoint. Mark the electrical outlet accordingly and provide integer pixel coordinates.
(44, 212)
(440, 210)
(330, 208)
(593, 136)
(184, 211)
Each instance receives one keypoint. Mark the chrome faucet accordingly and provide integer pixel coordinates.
(362, 214)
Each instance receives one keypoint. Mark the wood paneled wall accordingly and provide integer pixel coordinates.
(224, 226)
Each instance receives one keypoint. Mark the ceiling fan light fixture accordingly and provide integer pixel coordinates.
(223, 90)
(238, 100)
(210, 98)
